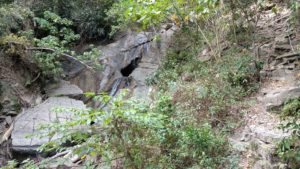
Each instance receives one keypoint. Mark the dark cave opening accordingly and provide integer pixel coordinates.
(126, 71)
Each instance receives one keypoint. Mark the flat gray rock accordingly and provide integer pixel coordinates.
(64, 88)
(268, 135)
(277, 97)
(28, 122)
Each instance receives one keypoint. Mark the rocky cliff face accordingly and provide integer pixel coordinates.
(128, 61)
(136, 55)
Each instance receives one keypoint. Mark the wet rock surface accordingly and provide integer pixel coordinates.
(120, 54)
(136, 55)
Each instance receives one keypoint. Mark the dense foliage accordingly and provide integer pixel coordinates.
(208, 90)
(198, 96)
(288, 149)
(14, 18)
(89, 16)
(42, 41)
(140, 136)
(150, 13)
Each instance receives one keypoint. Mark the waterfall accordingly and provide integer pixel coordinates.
(114, 90)
(115, 86)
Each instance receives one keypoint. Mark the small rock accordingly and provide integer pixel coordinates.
(246, 137)
(281, 40)
(204, 56)
(12, 113)
(264, 50)
(2, 118)
(281, 166)
(75, 158)
(187, 77)
(38, 100)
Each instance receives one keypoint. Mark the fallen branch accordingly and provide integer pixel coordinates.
(7, 134)
(51, 50)
(288, 55)
(59, 154)
(62, 54)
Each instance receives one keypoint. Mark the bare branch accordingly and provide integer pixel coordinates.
(62, 54)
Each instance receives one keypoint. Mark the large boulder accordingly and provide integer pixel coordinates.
(28, 122)
(63, 88)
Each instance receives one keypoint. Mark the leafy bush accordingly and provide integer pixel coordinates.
(51, 39)
(146, 14)
(13, 44)
(5, 2)
(289, 148)
(56, 35)
(214, 86)
(14, 18)
(139, 135)
(89, 16)
(10, 165)
(289, 151)
(171, 68)
(291, 108)
(240, 70)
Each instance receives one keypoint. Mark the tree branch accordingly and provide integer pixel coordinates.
(288, 55)
(62, 54)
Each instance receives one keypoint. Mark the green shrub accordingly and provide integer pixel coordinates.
(89, 16)
(291, 108)
(54, 33)
(10, 165)
(51, 39)
(289, 148)
(142, 136)
(240, 70)
(289, 151)
(14, 18)
(173, 65)
(2, 2)
(190, 146)
(214, 86)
